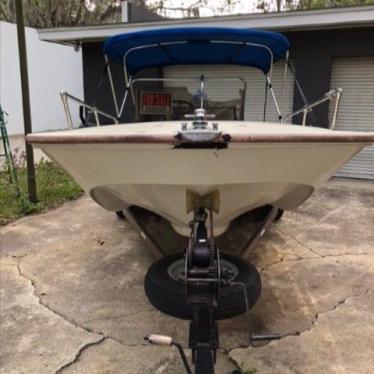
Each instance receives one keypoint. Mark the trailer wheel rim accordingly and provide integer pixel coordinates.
(176, 270)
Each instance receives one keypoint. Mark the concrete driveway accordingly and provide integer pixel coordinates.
(72, 298)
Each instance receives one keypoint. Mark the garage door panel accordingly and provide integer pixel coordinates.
(356, 113)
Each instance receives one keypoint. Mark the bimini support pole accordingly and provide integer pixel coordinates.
(339, 92)
(284, 80)
(274, 98)
(112, 87)
(265, 101)
(128, 84)
(202, 87)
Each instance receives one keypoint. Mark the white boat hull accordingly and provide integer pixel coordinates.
(158, 176)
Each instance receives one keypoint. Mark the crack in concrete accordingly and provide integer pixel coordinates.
(16, 256)
(299, 333)
(15, 260)
(266, 266)
(326, 217)
(84, 347)
(333, 309)
(39, 297)
(298, 242)
(283, 260)
(79, 354)
(103, 336)
(317, 316)
(89, 345)
(124, 344)
(320, 255)
(226, 352)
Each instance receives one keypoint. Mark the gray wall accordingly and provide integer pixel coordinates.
(311, 51)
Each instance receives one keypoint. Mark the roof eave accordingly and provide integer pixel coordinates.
(286, 21)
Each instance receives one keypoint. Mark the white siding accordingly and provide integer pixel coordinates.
(356, 77)
(216, 90)
(52, 68)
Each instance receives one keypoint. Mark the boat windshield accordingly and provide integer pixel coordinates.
(162, 99)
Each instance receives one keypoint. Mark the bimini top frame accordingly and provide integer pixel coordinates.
(196, 45)
(199, 45)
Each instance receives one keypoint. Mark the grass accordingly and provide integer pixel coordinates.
(54, 187)
(247, 371)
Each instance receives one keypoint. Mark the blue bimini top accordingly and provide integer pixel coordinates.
(197, 45)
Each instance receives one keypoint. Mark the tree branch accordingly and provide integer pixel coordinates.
(2, 11)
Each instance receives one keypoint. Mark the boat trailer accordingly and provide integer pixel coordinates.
(205, 274)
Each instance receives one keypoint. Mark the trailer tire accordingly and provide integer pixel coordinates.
(168, 295)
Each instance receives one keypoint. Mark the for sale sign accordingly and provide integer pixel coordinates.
(155, 103)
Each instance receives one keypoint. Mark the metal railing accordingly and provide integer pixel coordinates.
(65, 96)
(332, 94)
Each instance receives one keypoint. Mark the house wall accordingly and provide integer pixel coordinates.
(313, 53)
(52, 68)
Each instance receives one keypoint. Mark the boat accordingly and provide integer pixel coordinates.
(199, 172)
(148, 165)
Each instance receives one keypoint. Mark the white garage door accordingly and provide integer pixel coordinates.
(254, 103)
(356, 77)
